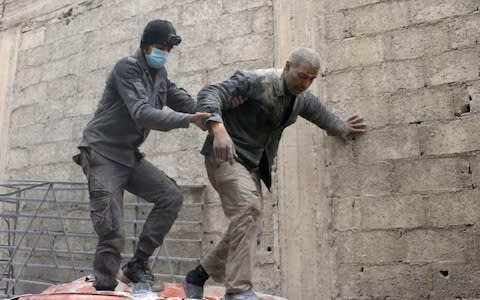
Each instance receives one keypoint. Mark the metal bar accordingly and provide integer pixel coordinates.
(9, 215)
(23, 266)
(52, 252)
(67, 241)
(67, 267)
(85, 202)
(90, 235)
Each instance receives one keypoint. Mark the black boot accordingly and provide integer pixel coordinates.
(136, 270)
(194, 282)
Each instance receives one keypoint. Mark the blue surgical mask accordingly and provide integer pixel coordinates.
(157, 58)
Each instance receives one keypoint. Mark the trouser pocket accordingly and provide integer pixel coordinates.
(100, 212)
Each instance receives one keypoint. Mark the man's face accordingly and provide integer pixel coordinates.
(299, 78)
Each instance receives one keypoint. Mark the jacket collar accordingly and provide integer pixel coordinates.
(279, 85)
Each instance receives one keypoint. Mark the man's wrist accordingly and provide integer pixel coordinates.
(216, 127)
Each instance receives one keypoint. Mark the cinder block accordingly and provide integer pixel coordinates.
(432, 10)
(453, 66)
(388, 143)
(263, 20)
(400, 75)
(109, 56)
(30, 95)
(335, 6)
(231, 25)
(198, 59)
(66, 47)
(377, 18)
(379, 247)
(92, 84)
(420, 105)
(416, 42)
(160, 10)
(38, 55)
(58, 131)
(201, 11)
(370, 213)
(254, 47)
(457, 136)
(428, 175)
(27, 135)
(354, 52)
(451, 209)
(337, 152)
(77, 106)
(23, 116)
(397, 281)
(456, 280)
(355, 180)
(234, 6)
(336, 27)
(55, 31)
(33, 38)
(193, 36)
(17, 158)
(426, 246)
(191, 82)
(55, 69)
(120, 11)
(62, 88)
(465, 31)
(27, 77)
(347, 85)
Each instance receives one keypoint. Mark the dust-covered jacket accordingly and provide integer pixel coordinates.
(256, 126)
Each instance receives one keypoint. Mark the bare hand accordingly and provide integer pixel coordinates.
(223, 146)
(237, 101)
(354, 124)
(199, 119)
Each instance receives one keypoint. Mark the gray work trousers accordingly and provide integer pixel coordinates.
(233, 258)
(107, 181)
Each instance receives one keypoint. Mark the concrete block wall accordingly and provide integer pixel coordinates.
(66, 50)
(404, 197)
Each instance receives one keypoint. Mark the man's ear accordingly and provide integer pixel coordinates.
(287, 66)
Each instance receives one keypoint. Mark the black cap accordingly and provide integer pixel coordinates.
(160, 32)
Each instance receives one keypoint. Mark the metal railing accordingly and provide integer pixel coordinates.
(46, 235)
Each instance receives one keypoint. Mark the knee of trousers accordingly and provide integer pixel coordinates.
(252, 212)
(173, 201)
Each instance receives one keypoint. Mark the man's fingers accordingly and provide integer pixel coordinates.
(353, 118)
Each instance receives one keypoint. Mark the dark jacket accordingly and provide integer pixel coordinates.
(257, 125)
(131, 106)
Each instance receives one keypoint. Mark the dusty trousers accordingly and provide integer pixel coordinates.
(107, 181)
(233, 258)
